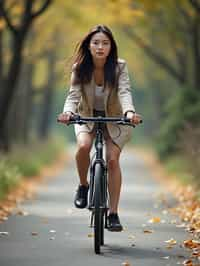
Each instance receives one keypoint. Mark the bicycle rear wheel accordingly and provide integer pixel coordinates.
(98, 211)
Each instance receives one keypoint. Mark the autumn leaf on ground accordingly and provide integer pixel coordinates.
(155, 220)
(131, 237)
(165, 258)
(181, 225)
(147, 231)
(126, 263)
(34, 233)
(188, 262)
(196, 252)
(191, 243)
(4, 233)
(52, 231)
(171, 241)
(22, 213)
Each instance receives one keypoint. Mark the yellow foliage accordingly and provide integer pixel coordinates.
(2, 24)
(17, 10)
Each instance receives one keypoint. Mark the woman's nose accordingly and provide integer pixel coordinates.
(100, 45)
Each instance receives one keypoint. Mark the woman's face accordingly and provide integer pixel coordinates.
(100, 45)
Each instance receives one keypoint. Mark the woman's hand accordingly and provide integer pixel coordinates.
(135, 119)
(64, 117)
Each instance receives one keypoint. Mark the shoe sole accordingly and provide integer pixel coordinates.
(115, 229)
(80, 207)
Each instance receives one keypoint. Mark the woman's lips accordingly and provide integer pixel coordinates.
(100, 53)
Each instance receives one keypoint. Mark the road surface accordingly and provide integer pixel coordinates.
(55, 233)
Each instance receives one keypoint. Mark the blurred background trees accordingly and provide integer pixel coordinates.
(160, 41)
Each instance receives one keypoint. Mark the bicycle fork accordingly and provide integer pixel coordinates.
(105, 219)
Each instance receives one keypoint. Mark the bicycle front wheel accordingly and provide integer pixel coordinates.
(98, 211)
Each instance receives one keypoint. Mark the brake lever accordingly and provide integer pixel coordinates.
(127, 123)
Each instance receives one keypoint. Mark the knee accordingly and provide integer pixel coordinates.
(84, 148)
(112, 162)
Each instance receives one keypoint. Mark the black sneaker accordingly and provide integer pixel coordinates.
(114, 224)
(81, 196)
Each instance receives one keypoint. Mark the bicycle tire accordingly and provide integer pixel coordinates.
(98, 211)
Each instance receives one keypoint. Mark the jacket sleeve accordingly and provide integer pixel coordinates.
(73, 97)
(124, 90)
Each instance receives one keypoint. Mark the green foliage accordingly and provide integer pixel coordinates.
(30, 160)
(182, 108)
(27, 162)
(9, 177)
(28, 165)
(179, 166)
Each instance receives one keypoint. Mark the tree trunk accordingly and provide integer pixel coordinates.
(46, 108)
(18, 34)
(196, 52)
(10, 84)
(28, 102)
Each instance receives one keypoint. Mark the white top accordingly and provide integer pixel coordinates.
(99, 98)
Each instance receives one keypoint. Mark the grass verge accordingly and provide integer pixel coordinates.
(26, 162)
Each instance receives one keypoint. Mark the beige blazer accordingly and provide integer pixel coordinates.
(117, 102)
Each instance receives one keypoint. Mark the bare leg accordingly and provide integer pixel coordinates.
(114, 174)
(84, 141)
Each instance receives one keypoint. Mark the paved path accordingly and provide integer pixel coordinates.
(63, 237)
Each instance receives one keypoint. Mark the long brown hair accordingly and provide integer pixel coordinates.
(83, 62)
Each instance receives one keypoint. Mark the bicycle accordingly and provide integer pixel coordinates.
(98, 189)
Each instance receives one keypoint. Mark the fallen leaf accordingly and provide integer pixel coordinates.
(34, 233)
(165, 258)
(196, 252)
(188, 262)
(22, 213)
(126, 263)
(52, 231)
(131, 237)
(169, 247)
(191, 243)
(171, 241)
(181, 225)
(4, 233)
(155, 220)
(147, 231)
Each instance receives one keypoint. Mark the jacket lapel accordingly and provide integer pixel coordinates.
(90, 91)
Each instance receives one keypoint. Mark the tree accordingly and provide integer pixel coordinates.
(19, 32)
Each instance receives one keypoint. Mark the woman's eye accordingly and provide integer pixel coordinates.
(97, 43)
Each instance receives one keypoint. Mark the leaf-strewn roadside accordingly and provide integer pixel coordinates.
(187, 203)
(22, 172)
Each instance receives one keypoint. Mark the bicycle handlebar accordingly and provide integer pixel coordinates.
(76, 119)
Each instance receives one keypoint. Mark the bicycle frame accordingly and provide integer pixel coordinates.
(98, 159)
(98, 200)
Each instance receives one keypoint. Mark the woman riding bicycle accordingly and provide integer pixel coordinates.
(100, 87)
